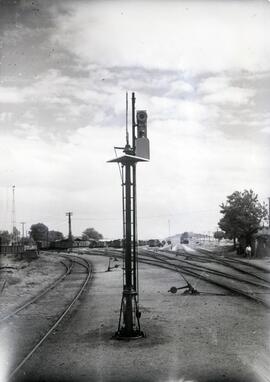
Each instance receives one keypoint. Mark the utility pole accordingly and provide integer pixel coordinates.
(69, 214)
(14, 234)
(23, 224)
(129, 320)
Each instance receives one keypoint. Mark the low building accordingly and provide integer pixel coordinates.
(261, 243)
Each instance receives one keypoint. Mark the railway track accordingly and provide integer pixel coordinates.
(229, 260)
(202, 275)
(197, 266)
(202, 272)
(76, 277)
(208, 256)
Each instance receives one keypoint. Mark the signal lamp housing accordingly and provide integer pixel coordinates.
(141, 123)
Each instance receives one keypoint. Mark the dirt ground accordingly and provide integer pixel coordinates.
(209, 337)
(22, 279)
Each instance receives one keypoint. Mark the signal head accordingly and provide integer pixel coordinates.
(141, 117)
(141, 123)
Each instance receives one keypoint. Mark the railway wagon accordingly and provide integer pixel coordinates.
(80, 243)
(154, 243)
(116, 243)
(184, 241)
(60, 244)
(98, 243)
(92, 243)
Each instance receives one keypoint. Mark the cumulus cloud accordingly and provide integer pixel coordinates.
(179, 88)
(219, 90)
(231, 95)
(11, 95)
(266, 129)
(185, 36)
(5, 116)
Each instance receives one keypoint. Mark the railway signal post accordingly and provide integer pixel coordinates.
(129, 319)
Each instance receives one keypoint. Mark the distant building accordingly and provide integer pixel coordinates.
(261, 243)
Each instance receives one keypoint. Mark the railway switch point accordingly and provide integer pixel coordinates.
(189, 290)
(173, 290)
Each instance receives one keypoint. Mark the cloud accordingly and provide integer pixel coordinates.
(218, 90)
(11, 95)
(213, 84)
(266, 129)
(231, 95)
(185, 36)
(179, 88)
(5, 116)
(164, 108)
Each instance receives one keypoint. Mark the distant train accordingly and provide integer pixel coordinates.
(154, 243)
(184, 241)
(106, 243)
(97, 243)
(116, 243)
(66, 244)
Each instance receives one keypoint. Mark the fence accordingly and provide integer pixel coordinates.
(11, 249)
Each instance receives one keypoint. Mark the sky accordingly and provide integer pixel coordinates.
(201, 69)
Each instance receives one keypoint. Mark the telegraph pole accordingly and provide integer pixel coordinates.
(23, 224)
(129, 320)
(14, 234)
(69, 214)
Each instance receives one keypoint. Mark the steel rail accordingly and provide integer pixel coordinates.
(232, 259)
(38, 296)
(220, 273)
(222, 285)
(229, 260)
(176, 268)
(57, 322)
(188, 269)
(217, 283)
(223, 262)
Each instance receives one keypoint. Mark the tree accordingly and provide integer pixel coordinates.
(55, 235)
(219, 235)
(5, 237)
(243, 215)
(39, 232)
(91, 233)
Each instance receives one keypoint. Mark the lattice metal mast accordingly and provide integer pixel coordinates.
(129, 320)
